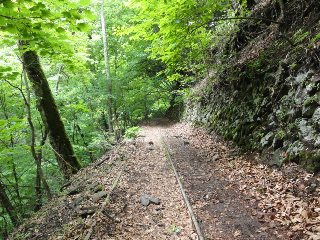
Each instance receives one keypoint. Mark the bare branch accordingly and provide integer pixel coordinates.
(20, 90)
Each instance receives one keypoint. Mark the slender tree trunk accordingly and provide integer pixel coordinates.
(104, 121)
(115, 105)
(16, 180)
(59, 79)
(38, 191)
(14, 170)
(47, 107)
(107, 68)
(85, 143)
(46, 185)
(5, 201)
(27, 101)
(37, 154)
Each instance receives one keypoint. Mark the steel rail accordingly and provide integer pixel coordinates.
(184, 195)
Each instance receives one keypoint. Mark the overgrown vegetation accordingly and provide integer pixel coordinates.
(265, 96)
(103, 83)
(77, 76)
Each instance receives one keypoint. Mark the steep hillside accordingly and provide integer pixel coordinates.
(266, 96)
(132, 193)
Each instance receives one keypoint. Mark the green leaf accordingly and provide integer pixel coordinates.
(44, 52)
(89, 14)
(45, 13)
(10, 28)
(5, 69)
(49, 25)
(8, 3)
(37, 27)
(83, 27)
(66, 14)
(60, 30)
(84, 2)
(75, 14)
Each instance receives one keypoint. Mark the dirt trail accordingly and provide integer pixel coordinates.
(148, 172)
(222, 211)
(233, 197)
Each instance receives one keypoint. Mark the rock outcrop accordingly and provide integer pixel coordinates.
(268, 97)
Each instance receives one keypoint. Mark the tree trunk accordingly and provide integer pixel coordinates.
(38, 191)
(5, 201)
(47, 107)
(37, 154)
(16, 180)
(27, 102)
(85, 143)
(46, 186)
(107, 68)
(59, 79)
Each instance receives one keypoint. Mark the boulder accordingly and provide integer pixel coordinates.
(316, 118)
(97, 196)
(306, 131)
(146, 200)
(73, 190)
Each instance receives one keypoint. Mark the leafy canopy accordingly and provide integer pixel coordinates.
(179, 31)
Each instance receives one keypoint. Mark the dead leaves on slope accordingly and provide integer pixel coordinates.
(283, 200)
(288, 196)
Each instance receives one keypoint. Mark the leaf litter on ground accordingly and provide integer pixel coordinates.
(289, 195)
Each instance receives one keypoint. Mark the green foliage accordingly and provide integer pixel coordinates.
(54, 29)
(300, 36)
(156, 48)
(316, 38)
(180, 32)
(132, 132)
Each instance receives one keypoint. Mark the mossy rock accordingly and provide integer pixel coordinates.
(310, 160)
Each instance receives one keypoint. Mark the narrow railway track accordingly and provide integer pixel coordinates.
(182, 190)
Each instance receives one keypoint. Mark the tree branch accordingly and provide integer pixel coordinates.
(19, 89)
(235, 18)
(17, 18)
(247, 18)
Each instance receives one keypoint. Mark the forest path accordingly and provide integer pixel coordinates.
(221, 210)
(132, 193)
(149, 173)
